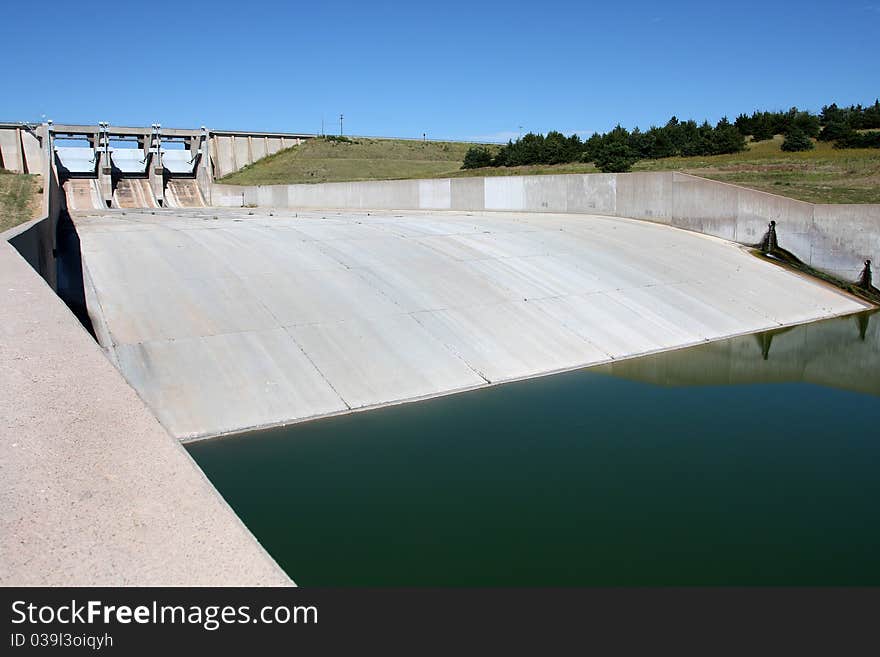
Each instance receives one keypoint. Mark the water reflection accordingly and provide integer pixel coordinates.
(838, 353)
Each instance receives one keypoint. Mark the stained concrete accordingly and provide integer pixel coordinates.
(95, 492)
(224, 320)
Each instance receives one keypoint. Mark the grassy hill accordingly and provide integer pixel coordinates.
(823, 175)
(19, 198)
(331, 160)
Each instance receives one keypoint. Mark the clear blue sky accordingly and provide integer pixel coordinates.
(471, 70)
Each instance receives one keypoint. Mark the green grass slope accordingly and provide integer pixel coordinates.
(19, 198)
(822, 175)
(329, 160)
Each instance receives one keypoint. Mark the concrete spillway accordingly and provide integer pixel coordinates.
(225, 320)
(83, 194)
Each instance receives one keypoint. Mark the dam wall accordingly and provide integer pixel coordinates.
(834, 238)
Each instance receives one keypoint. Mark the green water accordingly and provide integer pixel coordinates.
(750, 461)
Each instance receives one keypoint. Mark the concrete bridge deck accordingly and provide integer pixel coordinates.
(225, 320)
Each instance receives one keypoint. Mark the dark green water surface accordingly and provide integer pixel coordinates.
(750, 461)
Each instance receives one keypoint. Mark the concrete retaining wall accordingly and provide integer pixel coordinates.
(835, 238)
(20, 149)
(232, 151)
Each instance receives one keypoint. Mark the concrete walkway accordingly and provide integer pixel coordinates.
(94, 492)
(224, 320)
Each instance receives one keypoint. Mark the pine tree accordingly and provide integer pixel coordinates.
(476, 157)
(615, 157)
(797, 140)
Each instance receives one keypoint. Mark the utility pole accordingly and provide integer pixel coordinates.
(340, 125)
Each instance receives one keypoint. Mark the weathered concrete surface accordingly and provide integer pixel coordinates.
(183, 193)
(226, 320)
(94, 491)
(130, 193)
(83, 194)
(834, 238)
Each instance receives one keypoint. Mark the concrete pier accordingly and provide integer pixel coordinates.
(225, 320)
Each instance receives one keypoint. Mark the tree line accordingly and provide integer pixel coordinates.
(618, 149)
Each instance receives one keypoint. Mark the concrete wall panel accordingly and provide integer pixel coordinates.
(349, 194)
(435, 194)
(844, 236)
(794, 221)
(505, 193)
(593, 193)
(468, 194)
(227, 196)
(224, 158)
(545, 193)
(645, 196)
(251, 195)
(10, 150)
(704, 206)
(241, 152)
(312, 195)
(258, 148)
(273, 196)
(273, 145)
(34, 160)
(391, 194)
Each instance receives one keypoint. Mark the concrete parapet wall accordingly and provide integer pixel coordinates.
(834, 238)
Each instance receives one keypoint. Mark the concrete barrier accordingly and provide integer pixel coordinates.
(834, 238)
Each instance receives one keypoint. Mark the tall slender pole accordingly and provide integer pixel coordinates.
(340, 125)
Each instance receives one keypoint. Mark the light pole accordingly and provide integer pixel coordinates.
(340, 125)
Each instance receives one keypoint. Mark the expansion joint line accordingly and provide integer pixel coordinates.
(286, 330)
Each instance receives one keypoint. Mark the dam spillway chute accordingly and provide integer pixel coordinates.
(78, 170)
(131, 184)
(82, 194)
(133, 193)
(181, 187)
(183, 193)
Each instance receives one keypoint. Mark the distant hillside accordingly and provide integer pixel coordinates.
(330, 159)
(19, 198)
